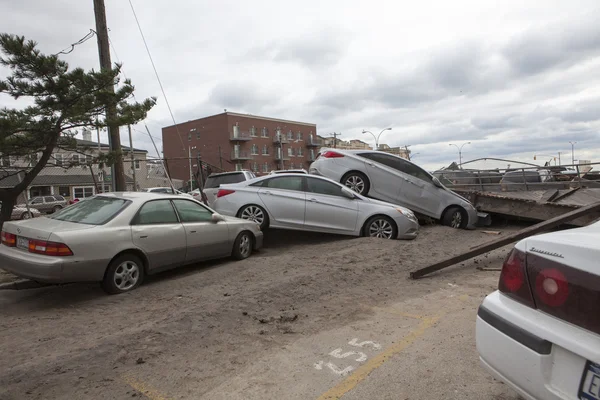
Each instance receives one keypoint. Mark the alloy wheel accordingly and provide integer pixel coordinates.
(126, 275)
(356, 183)
(245, 245)
(380, 228)
(456, 220)
(26, 215)
(253, 213)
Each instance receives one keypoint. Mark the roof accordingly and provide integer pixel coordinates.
(142, 196)
(88, 143)
(229, 113)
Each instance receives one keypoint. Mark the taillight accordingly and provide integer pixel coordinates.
(513, 278)
(49, 248)
(552, 287)
(8, 239)
(224, 192)
(332, 154)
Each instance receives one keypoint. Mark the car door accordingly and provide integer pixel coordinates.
(386, 180)
(420, 193)
(285, 199)
(327, 209)
(156, 230)
(38, 203)
(205, 238)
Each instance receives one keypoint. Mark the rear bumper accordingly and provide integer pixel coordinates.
(539, 356)
(48, 269)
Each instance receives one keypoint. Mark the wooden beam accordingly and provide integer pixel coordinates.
(513, 237)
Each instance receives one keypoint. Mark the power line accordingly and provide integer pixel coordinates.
(157, 76)
(80, 41)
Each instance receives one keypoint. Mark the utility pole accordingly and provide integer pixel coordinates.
(201, 179)
(191, 173)
(335, 135)
(100, 171)
(118, 172)
(573, 152)
(132, 159)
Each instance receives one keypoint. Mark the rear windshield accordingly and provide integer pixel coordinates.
(94, 211)
(215, 181)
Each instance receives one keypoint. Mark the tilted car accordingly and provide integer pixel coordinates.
(19, 212)
(118, 238)
(313, 203)
(214, 181)
(540, 331)
(46, 204)
(393, 179)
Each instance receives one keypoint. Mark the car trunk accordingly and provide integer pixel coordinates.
(41, 228)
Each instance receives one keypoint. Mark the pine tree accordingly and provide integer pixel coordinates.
(60, 100)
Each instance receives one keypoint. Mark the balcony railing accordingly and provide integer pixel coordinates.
(283, 156)
(280, 139)
(240, 137)
(312, 143)
(241, 155)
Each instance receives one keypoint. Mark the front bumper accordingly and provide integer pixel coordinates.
(408, 229)
(539, 356)
(473, 217)
(258, 240)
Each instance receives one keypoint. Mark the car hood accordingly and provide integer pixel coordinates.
(383, 203)
(42, 228)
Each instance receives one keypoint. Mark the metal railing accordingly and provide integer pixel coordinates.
(522, 179)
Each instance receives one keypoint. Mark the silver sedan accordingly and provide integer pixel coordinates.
(21, 212)
(313, 203)
(118, 238)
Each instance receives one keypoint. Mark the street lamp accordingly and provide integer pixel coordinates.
(377, 137)
(460, 152)
(572, 152)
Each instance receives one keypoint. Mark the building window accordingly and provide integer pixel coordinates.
(255, 166)
(198, 135)
(136, 163)
(236, 131)
(292, 165)
(266, 167)
(299, 136)
(5, 161)
(290, 135)
(83, 192)
(64, 191)
(265, 132)
(189, 137)
(290, 152)
(58, 159)
(265, 150)
(300, 152)
(254, 149)
(253, 132)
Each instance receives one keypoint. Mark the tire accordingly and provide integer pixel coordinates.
(255, 213)
(56, 208)
(455, 217)
(382, 227)
(26, 215)
(357, 181)
(243, 245)
(134, 268)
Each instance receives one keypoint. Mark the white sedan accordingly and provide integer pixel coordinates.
(540, 332)
(313, 203)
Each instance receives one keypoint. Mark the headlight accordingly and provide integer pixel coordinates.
(406, 213)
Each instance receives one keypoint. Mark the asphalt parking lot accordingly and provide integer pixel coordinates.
(308, 317)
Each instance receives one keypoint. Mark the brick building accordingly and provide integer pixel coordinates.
(232, 141)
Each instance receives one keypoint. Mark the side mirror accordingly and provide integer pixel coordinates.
(437, 183)
(216, 217)
(348, 193)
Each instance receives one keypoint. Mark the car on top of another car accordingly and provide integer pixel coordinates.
(395, 180)
(313, 203)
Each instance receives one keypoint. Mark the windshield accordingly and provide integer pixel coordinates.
(93, 211)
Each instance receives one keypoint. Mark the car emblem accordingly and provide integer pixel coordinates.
(18, 230)
(548, 253)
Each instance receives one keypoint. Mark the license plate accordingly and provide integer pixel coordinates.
(22, 243)
(589, 388)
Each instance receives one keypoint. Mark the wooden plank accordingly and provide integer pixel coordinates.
(565, 194)
(549, 195)
(513, 237)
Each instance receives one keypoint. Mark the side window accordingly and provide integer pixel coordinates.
(49, 199)
(190, 211)
(413, 170)
(156, 212)
(320, 186)
(37, 200)
(285, 182)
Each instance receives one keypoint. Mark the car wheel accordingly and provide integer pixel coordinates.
(56, 208)
(124, 274)
(256, 214)
(382, 227)
(455, 218)
(357, 182)
(26, 215)
(243, 245)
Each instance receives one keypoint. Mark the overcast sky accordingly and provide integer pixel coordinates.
(515, 78)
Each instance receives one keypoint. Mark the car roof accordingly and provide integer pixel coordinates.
(141, 196)
(227, 173)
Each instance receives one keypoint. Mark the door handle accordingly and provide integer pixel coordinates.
(143, 237)
(314, 200)
(192, 231)
(267, 192)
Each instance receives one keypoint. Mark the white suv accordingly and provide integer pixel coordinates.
(211, 186)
